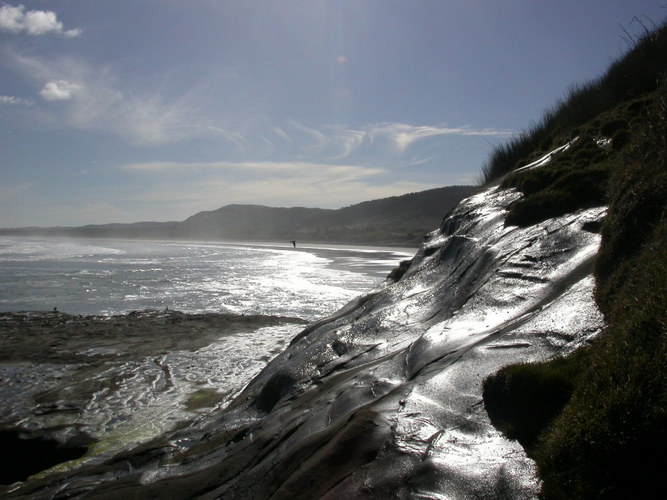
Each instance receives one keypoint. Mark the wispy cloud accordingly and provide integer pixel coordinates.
(334, 142)
(10, 100)
(33, 22)
(319, 138)
(282, 134)
(347, 140)
(339, 142)
(98, 100)
(308, 179)
(234, 137)
(185, 188)
(284, 168)
(402, 135)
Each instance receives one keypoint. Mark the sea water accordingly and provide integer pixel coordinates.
(108, 277)
(104, 277)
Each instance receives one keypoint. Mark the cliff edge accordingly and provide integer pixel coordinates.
(385, 397)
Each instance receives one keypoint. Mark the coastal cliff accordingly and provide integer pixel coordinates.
(385, 397)
(409, 391)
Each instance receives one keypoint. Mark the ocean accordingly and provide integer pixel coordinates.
(106, 277)
(133, 396)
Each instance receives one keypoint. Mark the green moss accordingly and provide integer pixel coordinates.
(572, 183)
(605, 441)
(522, 400)
(639, 193)
(578, 177)
(204, 398)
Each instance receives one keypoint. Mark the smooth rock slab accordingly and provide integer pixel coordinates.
(384, 399)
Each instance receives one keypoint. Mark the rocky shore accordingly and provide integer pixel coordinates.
(55, 337)
(383, 399)
(75, 385)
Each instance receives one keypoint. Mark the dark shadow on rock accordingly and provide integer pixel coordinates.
(26, 457)
(397, 273)
(273, 391)
(523, 400)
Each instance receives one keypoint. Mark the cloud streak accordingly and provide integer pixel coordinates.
(267, 168)
(98, 100)
(33, 22)
(10, 100)
(275, 178)
(402, 135)
(340, 142)
(188, 187)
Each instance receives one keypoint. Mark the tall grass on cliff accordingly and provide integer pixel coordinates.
(607, 441)
(605, 430)
(632, 75)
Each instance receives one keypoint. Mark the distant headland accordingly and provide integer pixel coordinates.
(397, 220)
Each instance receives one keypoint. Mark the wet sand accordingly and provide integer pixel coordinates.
(376, 261)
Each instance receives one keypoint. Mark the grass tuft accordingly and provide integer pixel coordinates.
(576, 178)
(523, 399)
(634, 74)
(613, 394)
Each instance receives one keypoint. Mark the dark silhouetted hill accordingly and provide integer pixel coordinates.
(397, 220)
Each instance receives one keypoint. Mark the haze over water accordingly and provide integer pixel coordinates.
(81, 276)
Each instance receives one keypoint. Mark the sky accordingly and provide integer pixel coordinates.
(154, 110)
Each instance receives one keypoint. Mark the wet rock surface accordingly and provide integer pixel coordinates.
(384, 399)
(59, 338)
(93, 385)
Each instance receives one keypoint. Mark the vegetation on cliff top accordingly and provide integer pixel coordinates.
(631, 76)
(596, 421)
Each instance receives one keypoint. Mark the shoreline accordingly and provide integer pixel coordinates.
(277, 244)
(81, 266)
(96, 385)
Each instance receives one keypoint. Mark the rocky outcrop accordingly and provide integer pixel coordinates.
(385, 397)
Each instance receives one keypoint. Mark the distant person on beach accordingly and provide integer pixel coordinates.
(293, 242)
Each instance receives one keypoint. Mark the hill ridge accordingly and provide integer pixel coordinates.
(396, 220)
